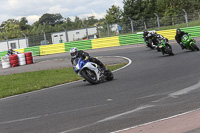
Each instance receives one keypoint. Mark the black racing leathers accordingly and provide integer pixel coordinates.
(159, 38)
(10, 52)
(149, 37)
(178, 36)
(145, 36)
(178, 39)
(83, 55)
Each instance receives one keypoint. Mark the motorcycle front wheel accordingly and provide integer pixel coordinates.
(90, 76)
(169, 50)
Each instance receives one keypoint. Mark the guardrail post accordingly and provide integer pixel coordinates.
(26, 40)
(66, 34)
(86, 30)
(97, 28)
(131, 25)
(108, 28)
(44, 37)
(199, 14)
(158, 21)
(7, 42)
(186, 17)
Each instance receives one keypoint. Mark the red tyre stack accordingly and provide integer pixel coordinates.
(14, 61)
(29, 57)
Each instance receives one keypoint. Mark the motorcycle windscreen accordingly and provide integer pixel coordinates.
(185, 38)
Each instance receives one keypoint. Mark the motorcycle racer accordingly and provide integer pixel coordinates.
(149, 38)
(75, 53)
(178, 36)
(10, 51)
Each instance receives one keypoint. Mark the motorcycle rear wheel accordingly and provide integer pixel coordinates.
(109, 76)
(195, 46)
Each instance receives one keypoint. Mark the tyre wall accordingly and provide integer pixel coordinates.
(22, 59)
(29, 57)
(5, 62)
(14, 61)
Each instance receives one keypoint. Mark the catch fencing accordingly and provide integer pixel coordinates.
(121, 40)
(107, 37)
(108, 30)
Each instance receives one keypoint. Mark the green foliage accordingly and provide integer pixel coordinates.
(140, 11)
(114, 15)
(51, 19)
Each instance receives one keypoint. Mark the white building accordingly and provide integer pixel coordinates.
(58, 37)
(79, 34)
(73, 35)
(14, 43)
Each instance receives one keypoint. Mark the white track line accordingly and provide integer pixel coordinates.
(129, 62)
(173, 95)
(156, 121)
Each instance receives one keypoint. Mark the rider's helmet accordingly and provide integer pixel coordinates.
(154, 33)
(145, 31)
(178, 31)
(74, 52)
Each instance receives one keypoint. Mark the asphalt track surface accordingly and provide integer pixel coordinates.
(151, 88)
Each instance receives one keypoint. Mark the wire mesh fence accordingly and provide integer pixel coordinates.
(40, 40)
(108, 30)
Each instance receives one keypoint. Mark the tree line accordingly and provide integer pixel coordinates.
(134, 9)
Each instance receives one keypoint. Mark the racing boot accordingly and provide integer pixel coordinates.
(158, 49)
(182, 46)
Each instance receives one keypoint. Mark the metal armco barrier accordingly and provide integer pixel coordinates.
(102, 42)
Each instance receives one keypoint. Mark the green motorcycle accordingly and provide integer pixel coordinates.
(165, 47)
(189, 42)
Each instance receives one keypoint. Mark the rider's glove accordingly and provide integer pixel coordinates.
(86, 58)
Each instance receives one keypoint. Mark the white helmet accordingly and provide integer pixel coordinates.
(74, 52)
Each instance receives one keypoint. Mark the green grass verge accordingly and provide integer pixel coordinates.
(30, 81)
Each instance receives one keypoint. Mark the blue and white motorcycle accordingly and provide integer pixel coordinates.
(91, 72)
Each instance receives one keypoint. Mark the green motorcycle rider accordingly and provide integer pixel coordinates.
(178, 37)
(185, 40)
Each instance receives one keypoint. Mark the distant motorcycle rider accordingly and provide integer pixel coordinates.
(10, 51)
(145, 33)
(149, 38)
(159, 38)
(178, 37)
(85, 56)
